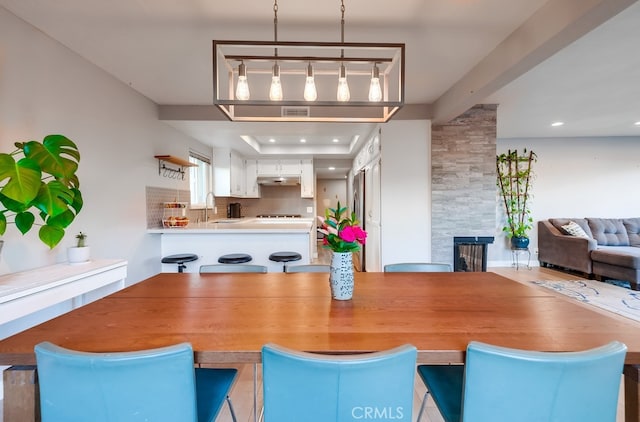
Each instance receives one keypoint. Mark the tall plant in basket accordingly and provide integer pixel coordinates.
(514, 180)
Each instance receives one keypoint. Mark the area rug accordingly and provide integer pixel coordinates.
(619, 300)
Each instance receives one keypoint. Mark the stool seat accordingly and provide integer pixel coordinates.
(235, 258)
(179, 259)
(284, 257)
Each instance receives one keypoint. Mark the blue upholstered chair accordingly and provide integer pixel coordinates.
(417, 267)
(311, 387)
(148, 385)
(500, 384)
(307, 268)
(232, 268)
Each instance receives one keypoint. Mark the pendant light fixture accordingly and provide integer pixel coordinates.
(242, 89)
(368, 79)
(375, 92)
(343, 86)
(275, 91)
(310, 91)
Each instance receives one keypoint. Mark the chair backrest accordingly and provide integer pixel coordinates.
(503, 384)
(417, 267)
(233, 268)
(311, 387)
(307, 268)
(157, 384)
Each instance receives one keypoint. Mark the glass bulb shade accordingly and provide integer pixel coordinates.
(275, 92)
(375, 92)
(343, 86)
(242, 89)
(310, 91)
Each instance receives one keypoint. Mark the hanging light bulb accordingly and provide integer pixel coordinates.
(375, 93)
(310, 92)
(242, 90)
(275, 93)
(343, 86)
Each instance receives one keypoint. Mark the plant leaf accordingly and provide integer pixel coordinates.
(52, 154)
(53, 198)
(24, 221)
(50, 235)
(24, 178)
(3, 223)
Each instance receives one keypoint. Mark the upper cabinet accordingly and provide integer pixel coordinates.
(279, 168)
(237, 176)
(307, 179)
(252, 188)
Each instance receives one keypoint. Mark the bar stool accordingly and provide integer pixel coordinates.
(180, 259)
(285, 257)
(235, 258)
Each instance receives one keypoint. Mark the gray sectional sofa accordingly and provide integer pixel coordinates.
(605, 248)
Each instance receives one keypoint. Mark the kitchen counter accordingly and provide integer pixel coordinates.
(258, 237)
(258, 225)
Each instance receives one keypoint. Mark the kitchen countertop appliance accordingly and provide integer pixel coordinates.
(234, 210)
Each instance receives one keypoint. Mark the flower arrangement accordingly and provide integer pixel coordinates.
(342, 233)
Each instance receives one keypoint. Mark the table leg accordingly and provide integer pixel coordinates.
(21, 394)
(631, 393)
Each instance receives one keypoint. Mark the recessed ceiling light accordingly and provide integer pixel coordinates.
(335, 140)
(302, 141)
(273, 141)
(332, 168)
(556, 124)
(637, 123)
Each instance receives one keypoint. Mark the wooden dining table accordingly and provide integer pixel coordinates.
(229, 317)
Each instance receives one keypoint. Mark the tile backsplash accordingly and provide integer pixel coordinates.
(273, 200)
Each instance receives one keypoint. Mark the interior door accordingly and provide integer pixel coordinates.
(373, 214)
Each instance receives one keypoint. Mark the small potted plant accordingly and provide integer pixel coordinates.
(80, 253)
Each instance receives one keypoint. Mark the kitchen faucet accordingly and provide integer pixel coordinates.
(213, 202)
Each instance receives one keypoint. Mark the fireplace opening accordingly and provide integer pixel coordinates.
(470, 253)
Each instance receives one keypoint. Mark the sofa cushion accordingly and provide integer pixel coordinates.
(574, 229)
(608, 231)
(582, 222)
(633, 230)
(622, 256)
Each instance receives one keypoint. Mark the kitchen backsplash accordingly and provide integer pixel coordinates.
(274, 200)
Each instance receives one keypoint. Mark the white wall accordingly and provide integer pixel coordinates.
(576, 177)
(45, 88)
(406, 191)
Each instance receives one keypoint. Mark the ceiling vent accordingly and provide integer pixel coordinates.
(295, 112)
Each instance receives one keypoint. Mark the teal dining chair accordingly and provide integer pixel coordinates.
(311, 387)
(159, 385)
(417, 267)
(499, 384)
(233, 268)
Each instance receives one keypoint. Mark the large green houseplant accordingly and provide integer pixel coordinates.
(514, 181)
(40, 177)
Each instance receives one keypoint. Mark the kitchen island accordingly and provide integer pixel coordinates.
(258, 237)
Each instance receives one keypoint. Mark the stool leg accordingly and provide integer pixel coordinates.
(181, 267)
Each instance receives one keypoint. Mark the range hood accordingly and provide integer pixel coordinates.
(279, 181)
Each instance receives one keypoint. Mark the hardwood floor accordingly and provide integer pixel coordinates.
(242, 394)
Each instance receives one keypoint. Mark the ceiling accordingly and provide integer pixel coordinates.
(542, 61)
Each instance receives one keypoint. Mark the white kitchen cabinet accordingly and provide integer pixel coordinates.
(279, 168)
(237, 175)
(252, 188)
(307, 179)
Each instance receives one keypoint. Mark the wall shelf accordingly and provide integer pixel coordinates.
(173, 173)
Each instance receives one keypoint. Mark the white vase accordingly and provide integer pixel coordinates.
(78, 255)
(341, 276)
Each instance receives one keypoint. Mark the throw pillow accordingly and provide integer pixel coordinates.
(574, 229)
